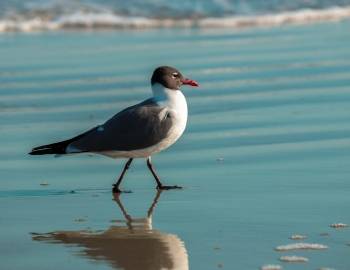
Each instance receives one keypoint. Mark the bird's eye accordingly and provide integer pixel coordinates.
(175, 75)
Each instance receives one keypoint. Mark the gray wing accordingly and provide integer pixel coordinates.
(136, 127)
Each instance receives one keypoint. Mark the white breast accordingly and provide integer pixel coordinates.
(174, 102)
(177, 106)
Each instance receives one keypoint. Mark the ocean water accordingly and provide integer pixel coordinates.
(265, 155)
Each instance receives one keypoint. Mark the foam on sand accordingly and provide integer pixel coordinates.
(298, 237)
(110, 20)
(293, 259)
(299, 246)
(271, 267)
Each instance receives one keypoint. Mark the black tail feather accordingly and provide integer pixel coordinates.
(57, 148)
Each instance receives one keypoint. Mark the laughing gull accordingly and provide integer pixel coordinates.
(138, 131)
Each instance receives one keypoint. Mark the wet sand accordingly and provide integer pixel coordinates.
(265, 156)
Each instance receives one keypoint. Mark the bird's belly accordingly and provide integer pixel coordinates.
(173, 135)
(140, 153)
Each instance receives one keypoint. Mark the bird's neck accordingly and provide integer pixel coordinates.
(175, 103)
(162, 93)
(167, 97)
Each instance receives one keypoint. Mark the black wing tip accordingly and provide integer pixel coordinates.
(37, 148)
(47, 150)
(57, 148)
(41, 151)
(33, 152)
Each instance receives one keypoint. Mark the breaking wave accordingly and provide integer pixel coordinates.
(104, 19)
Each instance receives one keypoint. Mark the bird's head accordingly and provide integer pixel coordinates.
(170, 78)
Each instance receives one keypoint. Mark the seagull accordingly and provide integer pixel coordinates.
(139, 131)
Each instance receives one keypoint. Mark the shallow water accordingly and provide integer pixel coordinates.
(265, 155)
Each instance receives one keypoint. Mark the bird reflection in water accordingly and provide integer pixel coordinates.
(134, 246)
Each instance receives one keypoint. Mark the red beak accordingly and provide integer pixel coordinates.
(190, 82)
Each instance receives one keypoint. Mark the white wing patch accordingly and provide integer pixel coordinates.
(163, 114)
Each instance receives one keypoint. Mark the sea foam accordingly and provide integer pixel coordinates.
(271, 267)
(80, 20)
(298, 246)
(293, 259)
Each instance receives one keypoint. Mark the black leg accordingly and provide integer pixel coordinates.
(116, 185)
(159, 184)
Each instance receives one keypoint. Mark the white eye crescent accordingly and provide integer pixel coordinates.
(175, 74)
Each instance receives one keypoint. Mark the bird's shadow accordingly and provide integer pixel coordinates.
(132, 245)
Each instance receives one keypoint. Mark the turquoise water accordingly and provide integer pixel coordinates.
(265, 155)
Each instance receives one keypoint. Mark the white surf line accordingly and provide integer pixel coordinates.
(293, 17)
(271, 267)
(91, 21)
(301, 246)
(293, 259)
(297, 237)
